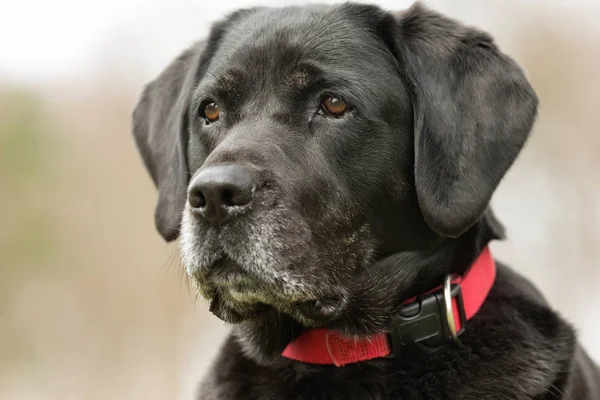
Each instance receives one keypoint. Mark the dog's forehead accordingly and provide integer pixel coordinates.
(296, 36)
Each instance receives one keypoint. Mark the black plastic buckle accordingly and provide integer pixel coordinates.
(424, 323)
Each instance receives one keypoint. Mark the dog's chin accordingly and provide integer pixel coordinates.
(253, 307)
(236, 295)
(237, 312)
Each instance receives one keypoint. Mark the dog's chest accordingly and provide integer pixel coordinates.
(520, 374)
(348, 383)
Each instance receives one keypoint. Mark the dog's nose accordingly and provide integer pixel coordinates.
(221, 191)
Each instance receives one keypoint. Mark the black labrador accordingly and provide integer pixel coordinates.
(324, 164)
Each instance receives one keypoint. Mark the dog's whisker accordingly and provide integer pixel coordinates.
(183, 276)
(214, 76)
(222, 63)
(169, 262)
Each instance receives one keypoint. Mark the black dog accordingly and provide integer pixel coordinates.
(323, 165)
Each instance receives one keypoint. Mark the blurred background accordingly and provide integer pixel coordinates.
(94, 305)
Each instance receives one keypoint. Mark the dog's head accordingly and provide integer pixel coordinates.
(297, 147)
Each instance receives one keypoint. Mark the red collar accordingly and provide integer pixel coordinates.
(421, 321)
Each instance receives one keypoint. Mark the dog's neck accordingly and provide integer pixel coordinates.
(382, 290)
(424, 324)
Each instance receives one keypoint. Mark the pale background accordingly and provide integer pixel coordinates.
(93, 305)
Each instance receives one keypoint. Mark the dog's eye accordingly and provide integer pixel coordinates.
(334, 106)
(210, 112)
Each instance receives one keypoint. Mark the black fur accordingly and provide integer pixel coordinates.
(359, 212)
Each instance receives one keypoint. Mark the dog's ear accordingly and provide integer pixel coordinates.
(160, 128)
(473, 111)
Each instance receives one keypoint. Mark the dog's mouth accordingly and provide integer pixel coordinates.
(236, 295)
(226, 273)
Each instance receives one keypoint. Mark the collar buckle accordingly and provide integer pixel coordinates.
(429, 321)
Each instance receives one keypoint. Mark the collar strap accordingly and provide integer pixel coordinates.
(426, 321)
